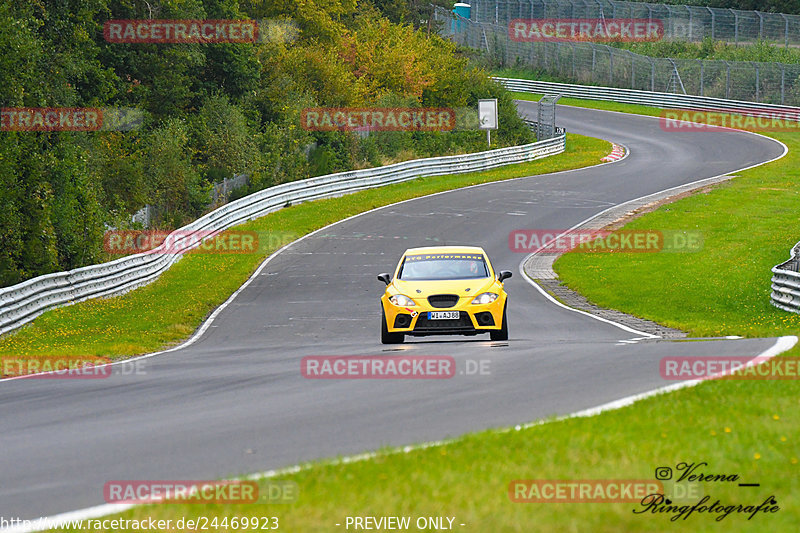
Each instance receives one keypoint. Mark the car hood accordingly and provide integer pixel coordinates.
(462, 287)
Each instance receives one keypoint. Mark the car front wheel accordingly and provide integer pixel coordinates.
(389, 338)
(502, 333)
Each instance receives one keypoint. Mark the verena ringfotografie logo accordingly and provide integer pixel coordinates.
(709, 120)
(550, 241)
(594, 30)
(377, 119)
(125, 242)
(203, 492)
(730, 367)
(378, 367)
(690, 476)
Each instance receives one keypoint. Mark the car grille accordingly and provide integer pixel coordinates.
(443, 300)
(424, 325)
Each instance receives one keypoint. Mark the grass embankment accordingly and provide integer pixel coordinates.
(170, 309)
(762, 51)
(747, 428)
(595, 104)
(527, 74)
(742, 428)
(748, 225)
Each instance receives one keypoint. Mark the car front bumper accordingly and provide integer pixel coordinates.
(473, 319)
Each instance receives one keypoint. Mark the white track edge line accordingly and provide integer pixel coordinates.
(693, 183)
(781, 345)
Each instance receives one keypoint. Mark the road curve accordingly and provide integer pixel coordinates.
(234, 402)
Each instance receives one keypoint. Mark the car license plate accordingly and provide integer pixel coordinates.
(443, 315)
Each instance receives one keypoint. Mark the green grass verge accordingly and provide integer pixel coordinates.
(168, 310)
(748, 225)
(469, 478)
(575, 102)
(593, 104)
(745, 50)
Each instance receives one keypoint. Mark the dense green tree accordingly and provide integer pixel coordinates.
(207, 111)
(173, 182)
(317, 20)
(419, 13)
(226, 143)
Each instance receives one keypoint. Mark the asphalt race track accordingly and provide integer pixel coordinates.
(235, 402)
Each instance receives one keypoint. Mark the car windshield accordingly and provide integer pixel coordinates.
(443, 266)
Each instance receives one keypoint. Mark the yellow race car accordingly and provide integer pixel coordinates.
(444, 290)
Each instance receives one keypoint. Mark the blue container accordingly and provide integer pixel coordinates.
(462, 10)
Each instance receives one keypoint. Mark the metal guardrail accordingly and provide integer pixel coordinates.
(601, 64)
(786, 283)
(21, 303)
(648, 98)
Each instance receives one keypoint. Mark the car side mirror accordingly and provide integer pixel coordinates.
(386, 278)
(504, 274)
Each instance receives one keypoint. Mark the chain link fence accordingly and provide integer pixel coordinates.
(220, 194)
(598, 64)
(689, 23)
(221, 191)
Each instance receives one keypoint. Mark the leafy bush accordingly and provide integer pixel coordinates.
(210, 111)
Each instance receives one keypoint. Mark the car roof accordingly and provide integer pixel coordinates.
(445, 250)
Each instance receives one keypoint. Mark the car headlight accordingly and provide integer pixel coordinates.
(401, 300)
(485, 298)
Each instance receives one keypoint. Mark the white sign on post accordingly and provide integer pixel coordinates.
(487, 113)
(487, 116)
